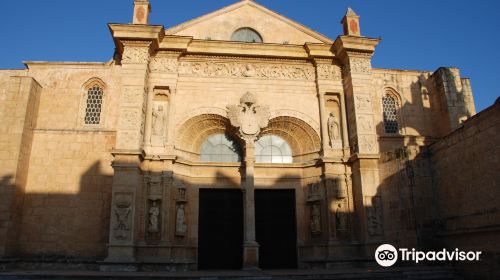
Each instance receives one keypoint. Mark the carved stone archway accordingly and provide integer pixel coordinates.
(194, 131)
(303, 139)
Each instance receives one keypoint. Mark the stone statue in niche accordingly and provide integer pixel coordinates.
(315, 218)
(180, 220)
(159, 120)
(154, 217)
(333, 130)
(180, 215)
(341, 215)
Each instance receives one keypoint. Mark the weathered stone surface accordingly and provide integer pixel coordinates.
(126, 188)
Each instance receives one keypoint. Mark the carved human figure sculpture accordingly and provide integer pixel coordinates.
(180, 226)
(315, 219)
(341, 216)
(154, 213)
(159, 120)
(333, 129)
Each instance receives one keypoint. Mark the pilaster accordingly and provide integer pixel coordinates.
(356, 53)
(20, 111)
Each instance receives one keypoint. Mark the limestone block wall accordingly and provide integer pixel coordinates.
(454, 95)
(19, 101)
(408, 196)
(417, 107)
(62, 103)
(68, 194)
(466, 166)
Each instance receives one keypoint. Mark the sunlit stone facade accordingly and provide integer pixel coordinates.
(282, 149)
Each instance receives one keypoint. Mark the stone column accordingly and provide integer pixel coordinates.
(250, 246)
(356, 52)
(323, 122)
(130, 134)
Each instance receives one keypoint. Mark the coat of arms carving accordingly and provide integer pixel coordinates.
(248, 116)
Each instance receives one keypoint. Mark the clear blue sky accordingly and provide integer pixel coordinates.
(423, 35)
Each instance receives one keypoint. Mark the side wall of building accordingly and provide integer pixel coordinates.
(467, 180)
(19, 101)
(66, 198)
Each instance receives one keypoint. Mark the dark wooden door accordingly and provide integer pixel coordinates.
(276, 230)
(220, 231)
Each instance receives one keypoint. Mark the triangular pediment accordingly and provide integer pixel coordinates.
(272, 27)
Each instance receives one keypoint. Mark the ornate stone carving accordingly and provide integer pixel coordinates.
(367, 144)
(154, 217)
(180, 215)
(341, 215)
(246, 70)
(298, 115)
(132, 95)
(333, 131)
(163, 65)
(248, 117)
(123, 208)
(338, 207)
(135, 54)
(358, 65)
(365, 123)
(314, 201)
(154, 185)
(373, 206)
(329, 72)
(129, 118)
(363, 103)
(315, 221)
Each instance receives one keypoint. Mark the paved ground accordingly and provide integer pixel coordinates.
(411, 273)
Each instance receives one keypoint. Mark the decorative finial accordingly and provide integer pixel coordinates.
(350, 12)
(142, 8)
(350, 22)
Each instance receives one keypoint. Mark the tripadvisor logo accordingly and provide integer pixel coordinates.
(387, 255)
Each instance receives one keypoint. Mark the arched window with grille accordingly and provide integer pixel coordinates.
(390, 108)
(272, 149)
(220, 148)
(93, 102)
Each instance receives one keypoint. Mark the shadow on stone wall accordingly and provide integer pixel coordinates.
(443, 195)
(64, 227)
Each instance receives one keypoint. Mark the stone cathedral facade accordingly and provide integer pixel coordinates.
(239, 139)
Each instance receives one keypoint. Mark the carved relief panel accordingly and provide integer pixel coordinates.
(121, 223)
(246, 70)
(373, 206)
(329, 72)
(314, 203)
(163, 65)
(135, 54)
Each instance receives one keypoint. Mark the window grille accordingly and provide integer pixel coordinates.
(390, 108)
(94, 105)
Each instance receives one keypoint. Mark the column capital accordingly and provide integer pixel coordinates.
(349, 46)
(128, 33)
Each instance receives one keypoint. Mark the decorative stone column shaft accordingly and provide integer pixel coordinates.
(250, 246)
